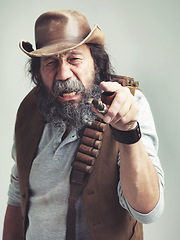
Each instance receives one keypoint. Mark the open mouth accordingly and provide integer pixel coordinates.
(69, 94)
(68, 90)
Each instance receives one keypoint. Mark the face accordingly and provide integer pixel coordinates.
(76, 64)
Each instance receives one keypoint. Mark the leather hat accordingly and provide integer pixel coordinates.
(60, 31)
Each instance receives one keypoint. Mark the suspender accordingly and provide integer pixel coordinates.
(85, 159)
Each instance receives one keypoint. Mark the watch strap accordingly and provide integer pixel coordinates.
(127, 137)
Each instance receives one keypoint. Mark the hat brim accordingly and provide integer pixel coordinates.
(96, 36)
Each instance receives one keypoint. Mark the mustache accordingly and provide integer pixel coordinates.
(67, 86)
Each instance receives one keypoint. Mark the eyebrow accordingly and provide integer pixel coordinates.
(73, 51)
(44, 59)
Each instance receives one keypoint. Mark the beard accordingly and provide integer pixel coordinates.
(68, 114)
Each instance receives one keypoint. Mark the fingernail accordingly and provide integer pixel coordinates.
(107, 119)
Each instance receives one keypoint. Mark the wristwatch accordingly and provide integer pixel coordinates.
(127, 137)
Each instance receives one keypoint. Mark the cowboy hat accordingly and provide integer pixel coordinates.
(60, 31)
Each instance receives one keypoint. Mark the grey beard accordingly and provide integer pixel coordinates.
(67, 114)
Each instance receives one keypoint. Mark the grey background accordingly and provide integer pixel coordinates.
(142, 38)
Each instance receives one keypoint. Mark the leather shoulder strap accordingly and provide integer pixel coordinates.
(81, 168)
(126, 82)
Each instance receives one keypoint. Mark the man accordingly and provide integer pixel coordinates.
(125, 187)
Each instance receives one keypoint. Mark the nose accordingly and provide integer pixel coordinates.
(64, 71)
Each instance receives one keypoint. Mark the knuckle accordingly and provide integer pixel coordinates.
(116, 84)
(124, 120)
(112, 113)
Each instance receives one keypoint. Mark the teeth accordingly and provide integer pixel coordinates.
(69, 94)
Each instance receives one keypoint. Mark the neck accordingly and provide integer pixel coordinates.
(66, 133)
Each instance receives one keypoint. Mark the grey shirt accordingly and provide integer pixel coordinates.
(49, 180)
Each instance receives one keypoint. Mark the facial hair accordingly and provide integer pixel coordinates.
(68, 114)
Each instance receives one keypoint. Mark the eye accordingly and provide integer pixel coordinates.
(51, 63)
(75, 60)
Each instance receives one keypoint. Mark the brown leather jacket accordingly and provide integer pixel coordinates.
(106, 219)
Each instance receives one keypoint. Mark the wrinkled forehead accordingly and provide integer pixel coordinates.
(81, 50)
